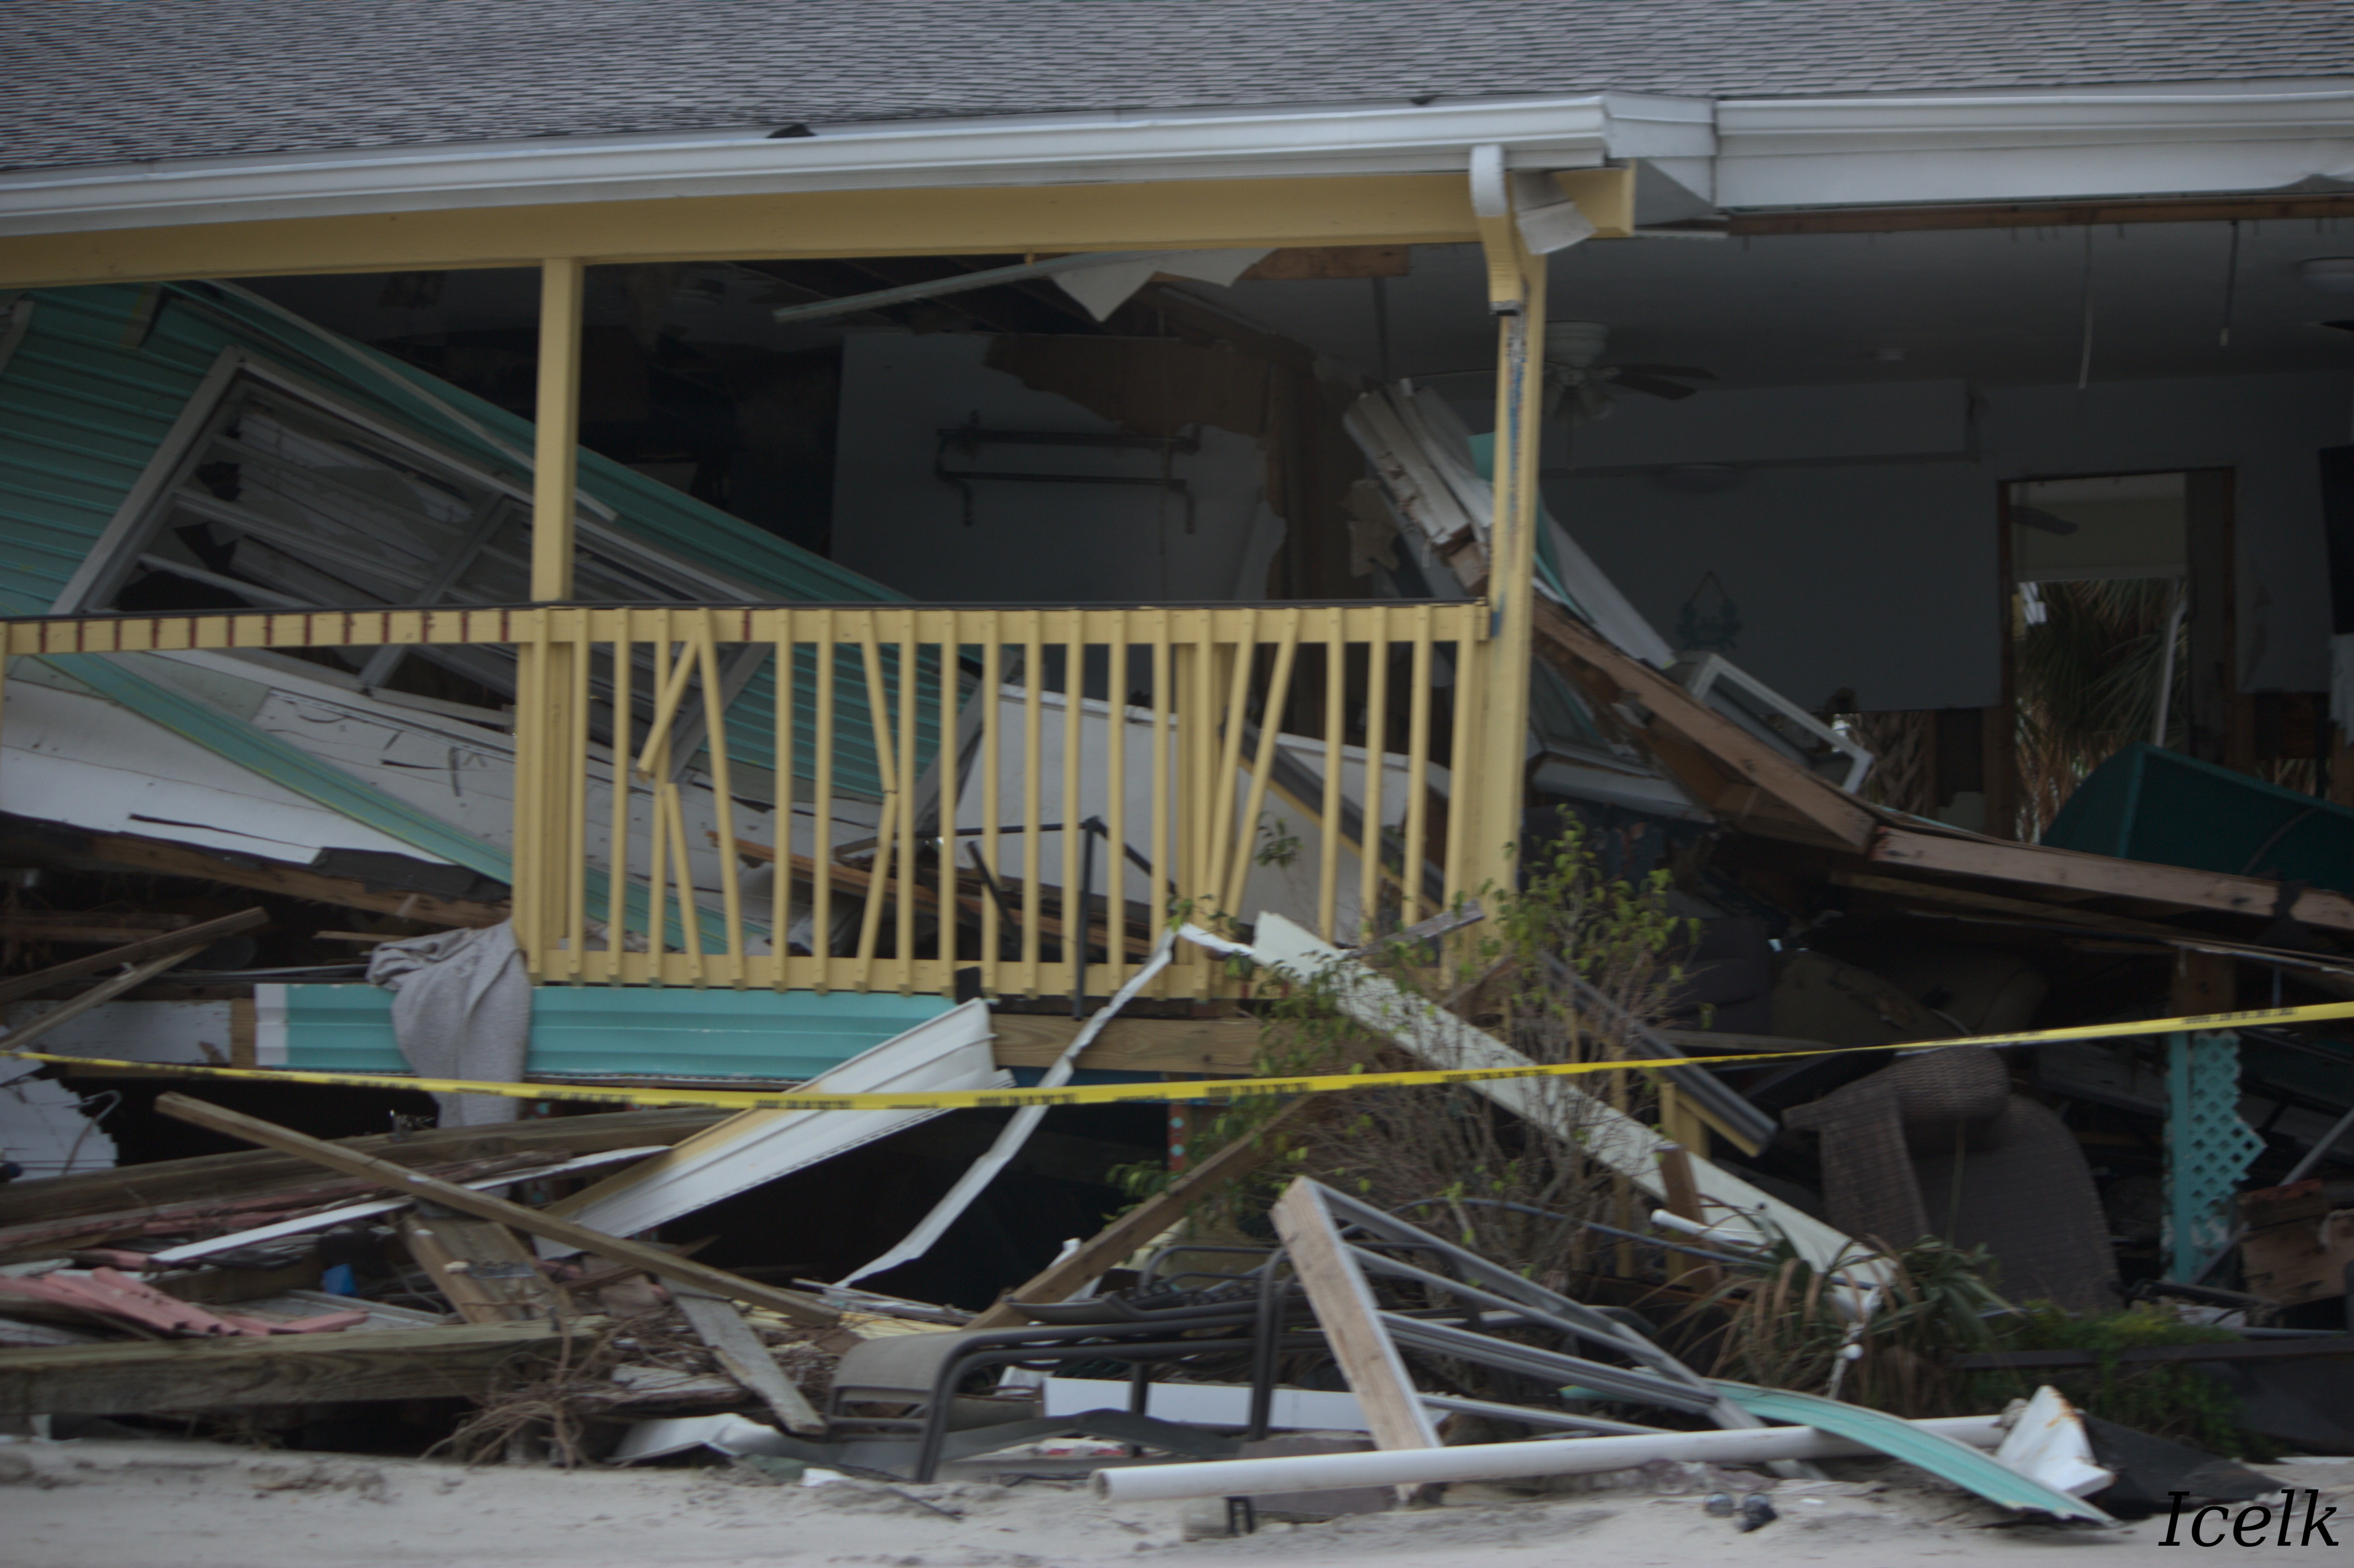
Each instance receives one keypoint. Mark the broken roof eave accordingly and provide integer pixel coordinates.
(1747, 152)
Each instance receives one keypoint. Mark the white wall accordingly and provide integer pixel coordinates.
(896, 522)
(1883, 576)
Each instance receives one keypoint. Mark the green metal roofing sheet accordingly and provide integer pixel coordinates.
(92, 388)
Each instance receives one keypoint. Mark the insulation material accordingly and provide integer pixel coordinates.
(1104, 289)
(461, 1008)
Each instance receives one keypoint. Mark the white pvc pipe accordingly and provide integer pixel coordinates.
(1496, 1461)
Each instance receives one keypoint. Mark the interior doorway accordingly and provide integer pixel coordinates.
(2118, 606)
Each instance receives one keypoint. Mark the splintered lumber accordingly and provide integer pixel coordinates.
(484, 1271)
(1108, 1247)
(104, 992)
(458, 1360)
(2067, 872)
(258, 1172)
(1744, 782)
(1352, 1324)
(169, 859)
(746, 1359)
(654, 1260)
(169, 944)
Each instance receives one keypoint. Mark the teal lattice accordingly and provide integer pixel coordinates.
(2208, 1147)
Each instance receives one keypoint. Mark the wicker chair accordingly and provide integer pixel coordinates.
(1938, 1145)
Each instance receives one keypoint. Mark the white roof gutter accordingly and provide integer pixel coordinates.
(1537, 133)
(1961, 147)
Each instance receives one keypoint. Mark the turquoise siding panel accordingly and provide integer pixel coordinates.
(626, 1032)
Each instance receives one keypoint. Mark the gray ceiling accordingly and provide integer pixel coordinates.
(1996, 307)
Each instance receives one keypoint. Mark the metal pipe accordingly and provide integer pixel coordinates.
(1497, 1461)
(987, 278)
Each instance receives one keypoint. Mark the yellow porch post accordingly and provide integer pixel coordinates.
(1494, 781)
(545, 836)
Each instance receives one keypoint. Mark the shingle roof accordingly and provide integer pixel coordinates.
(108, 80)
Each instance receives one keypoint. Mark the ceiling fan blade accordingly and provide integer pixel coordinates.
(1680, 371)
(1653, 385)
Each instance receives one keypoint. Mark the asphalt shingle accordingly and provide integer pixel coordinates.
(112, 81)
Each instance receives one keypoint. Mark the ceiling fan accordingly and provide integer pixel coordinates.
(1580, 389)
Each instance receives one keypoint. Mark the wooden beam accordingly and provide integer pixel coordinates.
(744, 1358)
(654, 1260)
(1735, 774)
(972, 220)
(1226, 1045)
(1110, 1245)
(1300, 263)
(2100, 875)
(174, 945)
(269, 876)
(1351, 1322)
(459, 1360)
(210, 1177)
(2041, 214)
(557, 422)
(484, 1269)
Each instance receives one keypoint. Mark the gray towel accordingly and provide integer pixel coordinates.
(461, 1008)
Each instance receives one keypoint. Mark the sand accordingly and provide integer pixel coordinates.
(89, 1504)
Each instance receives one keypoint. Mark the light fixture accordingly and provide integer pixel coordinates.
(2329, 274)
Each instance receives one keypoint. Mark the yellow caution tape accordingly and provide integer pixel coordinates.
(1199, 1089)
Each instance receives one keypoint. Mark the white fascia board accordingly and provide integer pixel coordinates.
(1783, 152)
(1536, 132)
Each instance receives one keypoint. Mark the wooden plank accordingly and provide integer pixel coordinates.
(269, 876)
(1749, 773)
(483, 1269)
(1225, 1046)
(88, 930)
(246, 1172)
(746, 1359)
(1109, 1246)
(1311, 261)
(2037, 866)
(294, 1369)
(1996, 904)
(1351, 1322)
(654, 1260)
(170, 944)
(97, 996)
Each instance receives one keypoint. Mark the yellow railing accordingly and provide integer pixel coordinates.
(878, 797)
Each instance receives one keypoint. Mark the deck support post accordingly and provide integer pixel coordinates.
(1493, 784)
(546, 837)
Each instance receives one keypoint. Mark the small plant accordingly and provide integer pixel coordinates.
(1279, 845)
(2166, 1399)
(1501, 1186)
